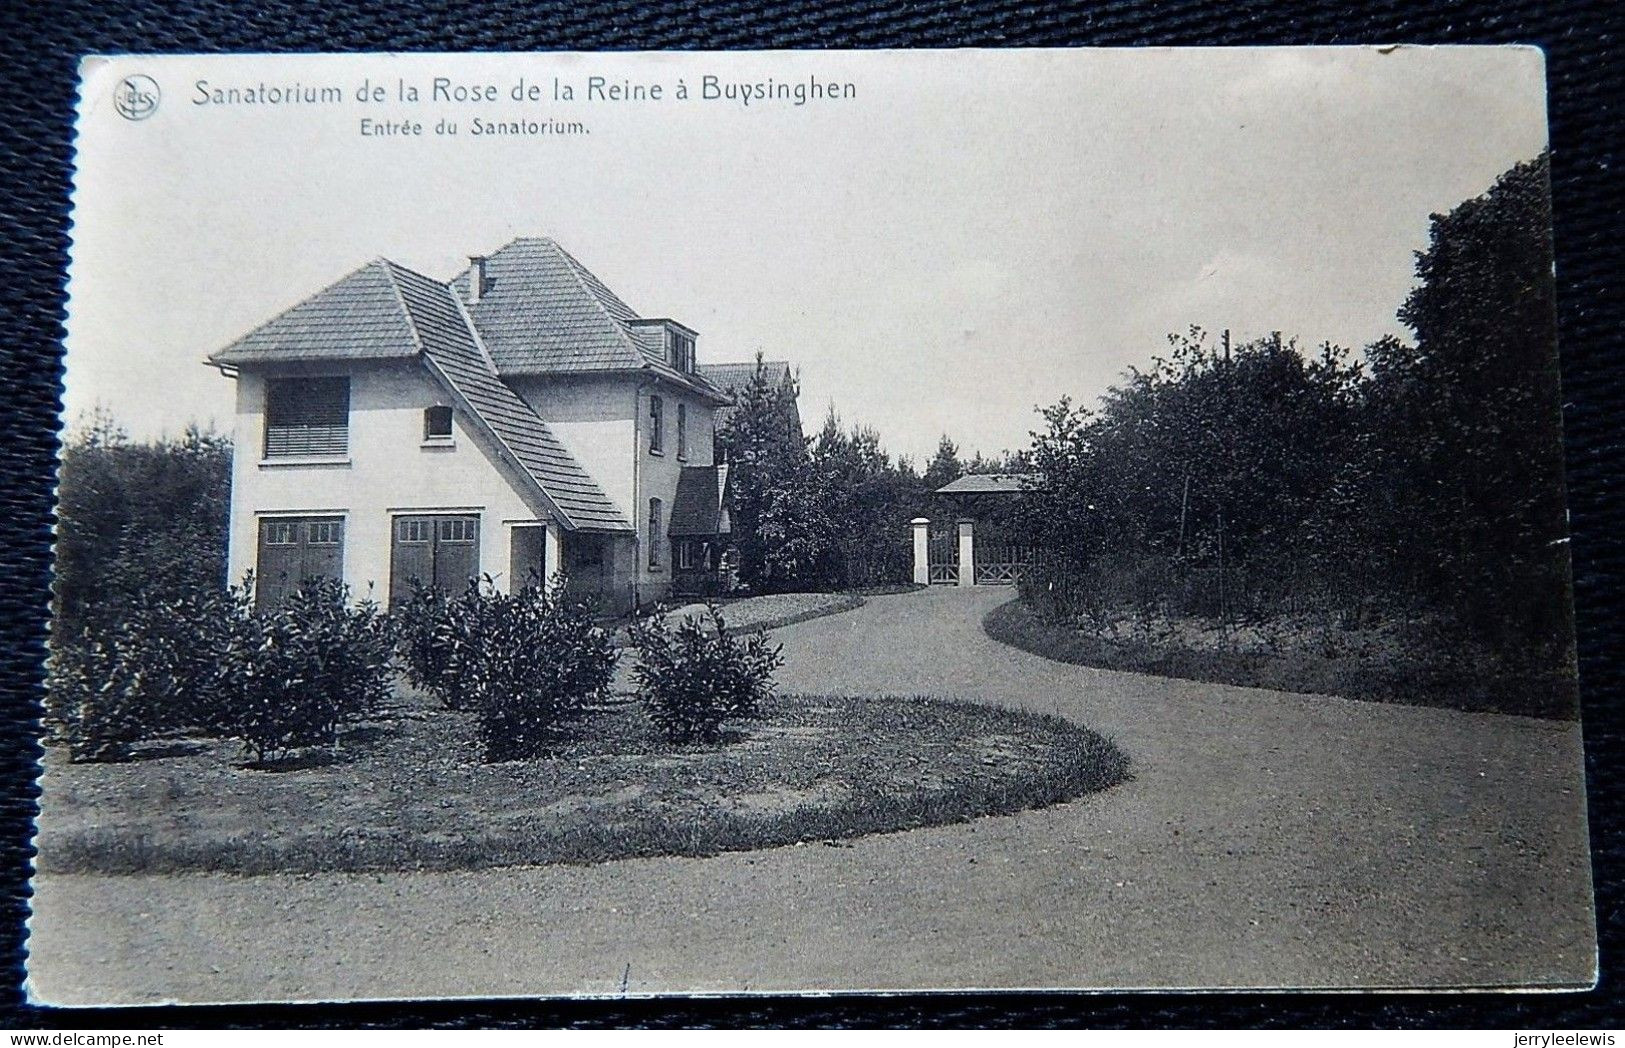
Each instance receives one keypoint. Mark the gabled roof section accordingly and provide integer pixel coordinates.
(697, 509)
(733, 376)
(453, 352)
(989, 484)
(358, 318)
(541, 310)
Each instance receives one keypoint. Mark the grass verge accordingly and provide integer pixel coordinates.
(409, 791)
(1552, 697)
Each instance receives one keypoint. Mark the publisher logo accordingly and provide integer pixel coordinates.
(136, 97)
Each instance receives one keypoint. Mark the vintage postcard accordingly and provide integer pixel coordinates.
(732, 523)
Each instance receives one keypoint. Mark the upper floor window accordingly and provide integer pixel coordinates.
(682, 430)
(657, 425)
(437, 424)
(307, 416)
(657, 537)
(681, 350)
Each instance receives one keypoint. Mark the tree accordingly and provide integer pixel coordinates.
(1470, 449)
(870, 500)
(778, 508)
(138, 521)
(945, 466)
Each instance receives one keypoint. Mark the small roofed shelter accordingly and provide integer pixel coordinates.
(987, 499)
(703, 558)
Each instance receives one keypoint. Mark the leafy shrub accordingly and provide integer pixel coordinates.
(151, 667)
(527, 663)
(695, 678)
(429, 636)
(277, 679)
(299, 671)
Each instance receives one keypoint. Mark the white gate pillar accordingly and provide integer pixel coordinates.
(922, 550)
(967, 552)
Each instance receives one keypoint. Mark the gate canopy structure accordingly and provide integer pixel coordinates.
(983, 546)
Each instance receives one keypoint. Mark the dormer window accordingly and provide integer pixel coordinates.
(437, 425)
(680, 350)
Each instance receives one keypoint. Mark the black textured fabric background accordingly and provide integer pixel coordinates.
(41, 42)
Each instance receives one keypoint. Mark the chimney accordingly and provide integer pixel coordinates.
(476, 278)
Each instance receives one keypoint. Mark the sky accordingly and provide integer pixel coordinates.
(973, 234)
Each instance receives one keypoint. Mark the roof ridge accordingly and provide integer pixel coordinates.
(479, 340)
(324, 289)
(435, 368)
(576, 268)
(400, 299)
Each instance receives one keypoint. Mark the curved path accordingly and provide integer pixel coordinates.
(1266, 840)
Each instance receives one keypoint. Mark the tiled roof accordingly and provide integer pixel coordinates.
(697, 510)
(987, 484)
(455, 354)
(733, 376)
(541, 311)
(359, 317)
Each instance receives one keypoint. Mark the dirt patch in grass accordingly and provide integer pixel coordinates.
(1553, 696)
(410, 792)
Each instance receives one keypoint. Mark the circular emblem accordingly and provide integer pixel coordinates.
(136, 97)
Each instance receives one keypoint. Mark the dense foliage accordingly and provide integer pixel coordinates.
(528, 663)
(276, 679)
(778, 522)
(296, 673)
(138, 522)
(1415, 482)
(698, 676)
(827, 513)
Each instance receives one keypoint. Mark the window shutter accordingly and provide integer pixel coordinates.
(307, 417)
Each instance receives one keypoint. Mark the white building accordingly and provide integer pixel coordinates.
(519, 420)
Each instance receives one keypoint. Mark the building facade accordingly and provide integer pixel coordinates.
(520, 420)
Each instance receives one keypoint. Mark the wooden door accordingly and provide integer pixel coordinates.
(456, 552)
(439, 551)
(293, 549)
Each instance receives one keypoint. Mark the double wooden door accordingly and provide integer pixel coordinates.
(440, 551)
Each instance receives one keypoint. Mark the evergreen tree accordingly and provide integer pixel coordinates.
(945, 466)
(779, 514)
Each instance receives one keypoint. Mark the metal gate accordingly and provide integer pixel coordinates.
(943, 547)
(1001, 564)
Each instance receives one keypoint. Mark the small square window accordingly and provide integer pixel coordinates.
(437, 423)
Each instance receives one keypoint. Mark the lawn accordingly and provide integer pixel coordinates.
(773, 610)
(1368, 673)
(409, 790)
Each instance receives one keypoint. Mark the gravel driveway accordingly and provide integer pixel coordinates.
(1267, 840)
